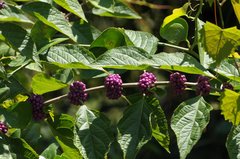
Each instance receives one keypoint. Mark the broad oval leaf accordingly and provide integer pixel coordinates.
(236, 7)
(230, 106)
(93, 134)
(134, 128)
(144, 40)
(50, 152)
(188, 122)
(72, 6)
(233, 143)
(220, 43)
(175, 31)
(41, 84)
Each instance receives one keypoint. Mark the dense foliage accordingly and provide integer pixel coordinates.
(52, 56)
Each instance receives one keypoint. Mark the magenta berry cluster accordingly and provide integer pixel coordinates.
(146, 81)
(3, 128)
(37, 103)
(2, 5)
(77, 93)
(177, 81)
(203, 86)
(113, 85)
(227, 85)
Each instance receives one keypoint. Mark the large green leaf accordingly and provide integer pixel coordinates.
(51, 17)
(134, 128)
(63, 130)
(236, 7)
(227, 68)
(179, 62)
(41, 84)
(220, 43)
(138, 38)
(188, 123)
(159, 124)
(65, 54)
(93, 134)
(204, 57)
(12, 14)
(233, 143)
(123, 57)
(18, 38)
(50, 152)
(119, 10)
(178, 12)
(175, 31)
(107, 5)
(230, 106)
(72, 6)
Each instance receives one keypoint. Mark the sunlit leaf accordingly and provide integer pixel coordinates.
(233, 143)
(188, 122)
(236, 7)
(230, 106)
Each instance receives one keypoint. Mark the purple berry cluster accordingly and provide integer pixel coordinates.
(3, 128)
(146, 81)
(2, 5)
(177, 81)
(227, 85)
(37, 103)
(113, 85)
(77, 93)
(203, 86)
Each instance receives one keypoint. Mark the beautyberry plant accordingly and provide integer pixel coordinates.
(47, 44)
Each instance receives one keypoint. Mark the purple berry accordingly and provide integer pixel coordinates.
(203, 86)
(37, 103)
(227, 85)
(113, 85)
(77, 93)
(177, 81)
(3, 128)
(146, 81)
(2, 5)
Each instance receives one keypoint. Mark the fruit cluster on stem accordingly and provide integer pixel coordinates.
(3, 128)
(37, 103)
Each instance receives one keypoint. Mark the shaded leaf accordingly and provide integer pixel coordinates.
(188, 122)
(134, 128)
(41, 84)
(175, 31)
(230, 106)
(220, 43)
(233, 143)
(93, 134)
(50, 152)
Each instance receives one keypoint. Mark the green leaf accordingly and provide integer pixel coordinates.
(18, 38)
(188, 123)
(210, 2)
(134, 128)
(227, 68)
(20, 115)
(204, 57)
(20, 147)
(50, 152)
(233, 143)
(123, 58)
(119, 10)
(138, 38)
(175, 31)
(103, 4)
(62, 128)
(178, 12)
(230, 106)
(41, 84)
(179, 62)
(72, 6)
(93, 134)
(5, 151)
(220, 43)
(159, 124)
(110, 38)
(65, 54)
(51, 17)
(41, 34)
(12, 14)
(236, 7)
